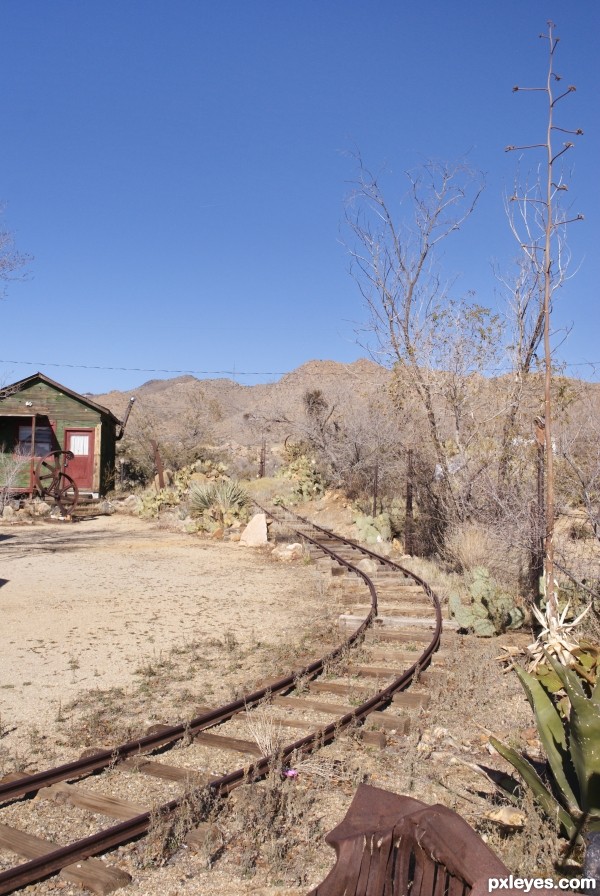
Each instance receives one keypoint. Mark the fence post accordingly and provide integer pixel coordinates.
(158, 464)
(409, 527)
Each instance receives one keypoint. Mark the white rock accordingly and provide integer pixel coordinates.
(367, 565)
(255, 533)
(288, 552)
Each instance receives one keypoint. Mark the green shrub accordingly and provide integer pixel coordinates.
(222, 502)
(372, 530)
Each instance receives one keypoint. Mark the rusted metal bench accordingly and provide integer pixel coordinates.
(390, 845)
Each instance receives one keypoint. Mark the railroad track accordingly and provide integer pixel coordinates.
(367, 682)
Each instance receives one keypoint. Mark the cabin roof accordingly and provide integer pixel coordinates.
(29, 380)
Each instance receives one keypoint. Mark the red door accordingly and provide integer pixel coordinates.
(81, 468)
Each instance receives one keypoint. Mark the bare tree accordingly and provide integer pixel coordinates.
(434, 343)
(11, 261)
(525, 315)
(541, 229)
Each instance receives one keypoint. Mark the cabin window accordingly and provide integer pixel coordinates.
(80, 445)
(44, 440)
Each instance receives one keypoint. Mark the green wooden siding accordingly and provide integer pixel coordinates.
(63, 411)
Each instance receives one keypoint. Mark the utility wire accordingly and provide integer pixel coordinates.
(235, 373)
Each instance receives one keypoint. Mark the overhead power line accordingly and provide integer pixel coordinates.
(39, 364)
(149, 369)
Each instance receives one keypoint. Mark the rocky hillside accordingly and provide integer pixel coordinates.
(229, 412)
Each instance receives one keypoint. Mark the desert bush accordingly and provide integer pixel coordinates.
(308, 480)
(223, 502)
(468, 546)
(11, 465)
(372, 530)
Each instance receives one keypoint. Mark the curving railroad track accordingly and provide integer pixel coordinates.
(395, 613)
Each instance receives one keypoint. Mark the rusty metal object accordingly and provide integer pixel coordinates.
(390, 845)
(51, 481)
(119, 435)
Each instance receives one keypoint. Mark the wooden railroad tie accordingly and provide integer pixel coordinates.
(90, 873)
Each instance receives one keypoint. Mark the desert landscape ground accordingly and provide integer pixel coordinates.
(114, 623)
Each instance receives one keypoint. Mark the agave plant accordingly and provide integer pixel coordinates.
(572, 745)
(221, 499)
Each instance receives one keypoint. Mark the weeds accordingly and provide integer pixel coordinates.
(264, 729)
(273, 822)
(168, 831)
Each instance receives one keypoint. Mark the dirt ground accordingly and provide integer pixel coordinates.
(114, 623)
(86, 606)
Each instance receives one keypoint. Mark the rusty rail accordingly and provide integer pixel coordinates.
(39, 868)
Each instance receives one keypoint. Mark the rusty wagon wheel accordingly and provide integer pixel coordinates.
(52, 481)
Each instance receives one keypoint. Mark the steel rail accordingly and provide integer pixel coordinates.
(101, 759)
(48, 864)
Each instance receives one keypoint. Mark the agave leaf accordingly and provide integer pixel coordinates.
(584, 740)
(584, 673)
(548, 678)
(585, 659)
(547, 800)
(570, 680)
(552, 735)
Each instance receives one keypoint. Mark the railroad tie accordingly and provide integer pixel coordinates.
(93, 874)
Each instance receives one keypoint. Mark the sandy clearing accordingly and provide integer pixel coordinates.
(83, 606)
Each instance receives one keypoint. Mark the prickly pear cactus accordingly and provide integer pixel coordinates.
(473, 617)
(490, 610)
(373, 530)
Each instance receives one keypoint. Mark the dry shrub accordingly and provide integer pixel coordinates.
(168, 831)
(265, 730)
(469, 545)
(273, 823)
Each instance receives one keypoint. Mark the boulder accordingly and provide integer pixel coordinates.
(42, 509)
(131, 504)
(105, 507)
(8, 513)
(288, 552)
(255, 533)
(368, 566)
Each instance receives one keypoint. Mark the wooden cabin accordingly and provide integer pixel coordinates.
(38, 416)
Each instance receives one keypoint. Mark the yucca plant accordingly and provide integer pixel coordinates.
(220, 500)
(572, 746)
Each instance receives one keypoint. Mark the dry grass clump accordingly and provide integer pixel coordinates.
(169, 831)
(264, 729)
(273, 827)
(534, 851)
(467, 546)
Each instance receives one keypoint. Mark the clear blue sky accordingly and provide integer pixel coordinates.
(178, 169)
